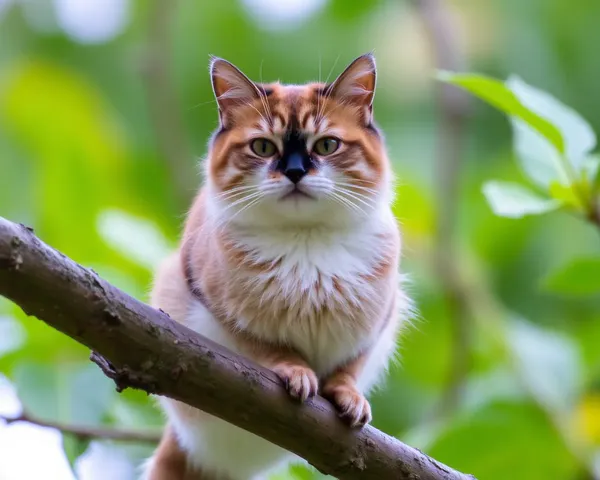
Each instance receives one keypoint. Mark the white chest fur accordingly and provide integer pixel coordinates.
(318, 293)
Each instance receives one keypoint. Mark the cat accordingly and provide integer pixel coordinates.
(289, 256)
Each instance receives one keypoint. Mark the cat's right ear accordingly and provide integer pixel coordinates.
(230, 86)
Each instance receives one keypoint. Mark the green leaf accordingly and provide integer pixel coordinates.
(578, 137)
(74, 447)
(538, 158)
(567, 195)
(343, 10)
(579, 277)
(82, 147)
(12, 334)
(136, 238)
(64, 393)
(505, 440)
(591, 170)
(549, 363)
(500, 96)
(515, 201)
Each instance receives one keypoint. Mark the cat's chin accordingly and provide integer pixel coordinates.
(299, 211)
(297, 195)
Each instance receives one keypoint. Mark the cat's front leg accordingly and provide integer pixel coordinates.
(299, 379)
(341, 389)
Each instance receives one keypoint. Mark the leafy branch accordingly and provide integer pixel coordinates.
(553, 145)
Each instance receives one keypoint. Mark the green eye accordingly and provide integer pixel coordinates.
(263, 147)
(326, 146)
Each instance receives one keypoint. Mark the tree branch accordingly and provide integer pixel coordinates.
(452, 106)
(140, 347)
(88, 433)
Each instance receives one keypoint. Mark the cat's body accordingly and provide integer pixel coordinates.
(289, 257)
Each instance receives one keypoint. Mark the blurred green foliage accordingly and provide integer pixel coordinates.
(85, 159)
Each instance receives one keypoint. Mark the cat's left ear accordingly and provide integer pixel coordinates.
(356, 84)
(231, 87)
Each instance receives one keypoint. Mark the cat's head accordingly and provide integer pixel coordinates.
(297, 154)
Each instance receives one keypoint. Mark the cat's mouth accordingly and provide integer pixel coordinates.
(296, 193)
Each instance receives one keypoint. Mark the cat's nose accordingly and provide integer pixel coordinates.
(295, 174)
(295, 169)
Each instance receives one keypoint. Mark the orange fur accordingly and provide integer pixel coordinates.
(305, 286)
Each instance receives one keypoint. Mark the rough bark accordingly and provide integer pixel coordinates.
(140, 347)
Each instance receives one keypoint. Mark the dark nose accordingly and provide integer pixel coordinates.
(294, 169)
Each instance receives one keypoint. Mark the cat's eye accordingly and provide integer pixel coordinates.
(326, 146)
(263, 147)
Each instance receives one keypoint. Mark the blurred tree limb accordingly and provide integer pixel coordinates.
(162, 101)
(140, 347)
(453, 109)
(87, 432)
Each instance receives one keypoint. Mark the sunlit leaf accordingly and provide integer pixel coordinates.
(579, 277)
(77, 149)
(579, 138)
(591, 171)
(136, 238)
(538, 158)
(587, 335)
(515, 201)
(568, 195)
(414, 209)
(549, 363)
(12, 334)
(587, 418)
(497, 94)
(500, 384)
(63, 392)
(504, 441)
(42, 344)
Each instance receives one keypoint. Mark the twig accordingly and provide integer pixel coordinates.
(88, 433)
(453, 109)
(143, 348)
(164, 113)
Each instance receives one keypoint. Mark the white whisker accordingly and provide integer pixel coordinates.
(347, 202)
(246, 207)
(244, 199)
(349, 184)
(236, 191)
(358, 199)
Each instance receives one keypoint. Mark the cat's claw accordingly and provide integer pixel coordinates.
(354, 408)
(301, 382)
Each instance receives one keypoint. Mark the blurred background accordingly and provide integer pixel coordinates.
(105, 112)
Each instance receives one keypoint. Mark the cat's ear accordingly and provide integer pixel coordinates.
(230, 86)
(356, 84)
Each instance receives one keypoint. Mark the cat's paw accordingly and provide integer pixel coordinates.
(301, 382)
(352, 405)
